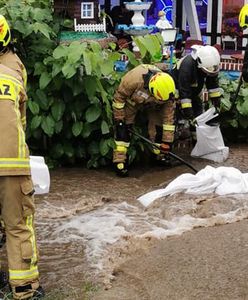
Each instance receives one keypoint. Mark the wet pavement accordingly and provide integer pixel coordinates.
(97, 241)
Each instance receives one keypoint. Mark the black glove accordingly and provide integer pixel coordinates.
(188, 113)
(216, 102)
(121, 169)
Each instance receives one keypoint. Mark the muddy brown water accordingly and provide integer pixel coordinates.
(90, 225)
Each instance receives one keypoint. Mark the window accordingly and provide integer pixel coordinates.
(87, 10)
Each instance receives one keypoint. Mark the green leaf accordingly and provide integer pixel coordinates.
(56, 69)
(69, 70)
(112, 45)
(57, 110)
(42, 99)
(47, 125)
(86, 130)
(45, 79)
(107, 68)
(131, 57)
(87, 63)
(39, 68)
(60, 51)
(139, 42)
(34, 107)
(104, 147)
(95, 46)
(233, 123)
(77, 128)
(75, 53)
(242, 107)
(159, 37)
(43, 28)
(35, 123)
(90, 86)
(93, 113)
(58, 126)
(104, 127)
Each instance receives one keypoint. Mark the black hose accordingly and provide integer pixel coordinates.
(169, 153)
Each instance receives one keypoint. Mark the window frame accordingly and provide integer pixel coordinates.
(87, 10)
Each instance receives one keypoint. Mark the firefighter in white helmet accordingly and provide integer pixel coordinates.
(194, 71)
(16, 187)
(145, 88)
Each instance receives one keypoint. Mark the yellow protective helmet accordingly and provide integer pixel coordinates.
(5, 36)
(243, 16)
(162, 86)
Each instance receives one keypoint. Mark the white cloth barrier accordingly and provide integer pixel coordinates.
(40, 175)
(221, 180)
(210, 144)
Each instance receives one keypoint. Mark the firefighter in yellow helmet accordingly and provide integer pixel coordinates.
(243, 23)
(16, 188)
(145, 88)
(8, 57)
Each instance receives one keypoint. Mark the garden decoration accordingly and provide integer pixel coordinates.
(138, 28)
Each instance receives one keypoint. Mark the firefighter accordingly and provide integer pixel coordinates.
(194, 71)
(16, 196)
(148, 89)
(243, 23)
(16, 189)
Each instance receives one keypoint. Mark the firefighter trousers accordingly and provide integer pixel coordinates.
(17, 209)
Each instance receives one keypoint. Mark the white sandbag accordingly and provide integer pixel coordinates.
(40, 174)
(210, 144)
(206, 116)
(222, 181)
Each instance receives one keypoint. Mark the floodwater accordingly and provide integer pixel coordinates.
(91, 221)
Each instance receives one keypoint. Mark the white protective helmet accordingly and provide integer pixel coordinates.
(208, 58)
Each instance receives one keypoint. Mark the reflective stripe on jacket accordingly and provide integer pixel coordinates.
(133, 95)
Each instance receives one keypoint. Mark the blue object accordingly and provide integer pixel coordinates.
(232, 75)
(171, 57)
(120, 65)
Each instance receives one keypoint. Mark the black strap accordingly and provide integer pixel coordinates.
(23, 288)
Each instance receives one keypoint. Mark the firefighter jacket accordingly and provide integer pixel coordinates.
(14, 153)
(190, 81)
(12, 61)
(133, 95)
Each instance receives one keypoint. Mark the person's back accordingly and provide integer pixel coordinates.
(12, 102)
(16, 186)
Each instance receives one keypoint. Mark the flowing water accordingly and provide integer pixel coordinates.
(91, 221)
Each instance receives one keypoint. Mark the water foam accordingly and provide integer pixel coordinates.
(98, 230)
